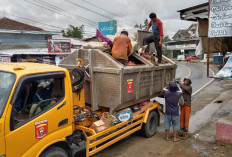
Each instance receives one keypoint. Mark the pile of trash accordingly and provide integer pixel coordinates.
(105, 44)
(108, 120)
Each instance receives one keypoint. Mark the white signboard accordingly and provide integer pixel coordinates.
(220, 18)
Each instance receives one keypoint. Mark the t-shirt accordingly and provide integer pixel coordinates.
(157, 28)
(121, 47)
(171, 101)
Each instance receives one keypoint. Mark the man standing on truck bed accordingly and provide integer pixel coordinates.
(157, 35)
(122, 47)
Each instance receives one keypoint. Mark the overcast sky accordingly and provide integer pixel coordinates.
(60, 13)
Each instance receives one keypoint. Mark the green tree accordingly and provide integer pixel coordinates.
(140, 26)
(145, 23)
(166, 38)
(73, 31)
(136, 26)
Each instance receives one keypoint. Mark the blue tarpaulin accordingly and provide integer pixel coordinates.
(226, 71)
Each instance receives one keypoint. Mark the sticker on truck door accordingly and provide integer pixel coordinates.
(129, 86)
(41, 129)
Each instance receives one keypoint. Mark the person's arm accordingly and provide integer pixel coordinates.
(161, 41)
(115, 40)
(148, 27)
(160, 28)
(180, 90)
(129, 47)
(187, 89)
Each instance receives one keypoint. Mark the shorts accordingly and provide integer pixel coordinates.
(171, 120)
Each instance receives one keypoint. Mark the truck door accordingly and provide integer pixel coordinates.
(38, 109)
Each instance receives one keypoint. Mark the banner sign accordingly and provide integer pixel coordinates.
(108, 28)
(5, 59)
(220, 18)
(46, 59)
(226, 71)
(59, 46)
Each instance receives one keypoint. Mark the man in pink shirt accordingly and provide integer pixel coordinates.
(157, 35)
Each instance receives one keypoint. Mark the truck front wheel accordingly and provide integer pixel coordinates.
(54, 152)
(149, 129)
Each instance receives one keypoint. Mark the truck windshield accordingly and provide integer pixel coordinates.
(6, 83)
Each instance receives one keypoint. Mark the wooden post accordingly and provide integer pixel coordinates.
(208, 57)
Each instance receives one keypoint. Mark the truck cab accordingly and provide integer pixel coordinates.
(35, 102)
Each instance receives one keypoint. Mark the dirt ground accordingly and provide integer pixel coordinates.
(199, 143)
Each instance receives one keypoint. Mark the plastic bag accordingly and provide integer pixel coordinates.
(108, 119)
(181, 101)
(101, 38)
(103, 46)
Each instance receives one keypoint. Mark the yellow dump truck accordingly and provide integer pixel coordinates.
(40, 115)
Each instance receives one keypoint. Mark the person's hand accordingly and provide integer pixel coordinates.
(160, 43)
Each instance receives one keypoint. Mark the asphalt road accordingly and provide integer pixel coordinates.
(196, 72)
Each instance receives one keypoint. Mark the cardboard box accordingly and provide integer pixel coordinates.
(124, 115)
(98, 126)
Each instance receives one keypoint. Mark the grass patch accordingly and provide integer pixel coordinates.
(226, 145)
(228, 89)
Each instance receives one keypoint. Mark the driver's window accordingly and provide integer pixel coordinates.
(36, 96)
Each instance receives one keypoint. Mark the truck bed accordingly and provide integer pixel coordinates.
(115, 86)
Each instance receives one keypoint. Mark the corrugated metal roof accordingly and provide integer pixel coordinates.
(193, 13)
(27, 32)
(35, 51)
(6, 23)
(73, 41)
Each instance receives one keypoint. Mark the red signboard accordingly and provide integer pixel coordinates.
(59, 46)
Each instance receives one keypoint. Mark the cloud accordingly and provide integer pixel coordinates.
(129, 12)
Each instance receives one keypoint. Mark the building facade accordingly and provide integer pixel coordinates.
(184, 42)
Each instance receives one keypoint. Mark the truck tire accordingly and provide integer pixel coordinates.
(54, 152)
(150, 128)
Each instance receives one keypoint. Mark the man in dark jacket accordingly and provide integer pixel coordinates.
(186, 109)
(172, 95)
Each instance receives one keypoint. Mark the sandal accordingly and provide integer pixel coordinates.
(177, 140)
(166, 139)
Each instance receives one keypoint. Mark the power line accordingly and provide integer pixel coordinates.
(100, 8)
(73, 17)
(65, 11)
(94, 11)
(88, 9)
(57, 27)
(105, 10)
(33, 20)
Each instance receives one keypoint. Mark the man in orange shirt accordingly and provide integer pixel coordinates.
(122, 47)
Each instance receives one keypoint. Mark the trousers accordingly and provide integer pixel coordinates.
(184, 116)
(151, 39)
